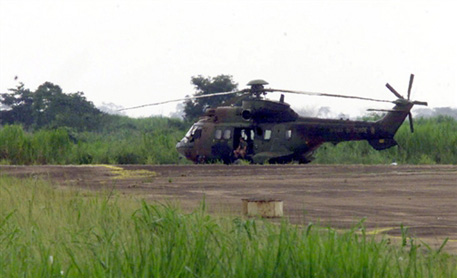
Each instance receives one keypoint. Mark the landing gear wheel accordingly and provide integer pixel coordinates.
(201, 159)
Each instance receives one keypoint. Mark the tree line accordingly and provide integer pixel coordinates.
(49, 107)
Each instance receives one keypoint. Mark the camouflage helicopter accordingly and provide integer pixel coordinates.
(261, 130)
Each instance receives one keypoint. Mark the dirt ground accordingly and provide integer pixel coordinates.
(423, 198)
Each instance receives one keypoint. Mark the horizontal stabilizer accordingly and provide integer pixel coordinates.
(382, 144)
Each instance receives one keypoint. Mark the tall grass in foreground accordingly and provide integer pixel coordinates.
(52, 232)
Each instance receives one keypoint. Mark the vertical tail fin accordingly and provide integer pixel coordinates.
(389, 125)
(395, 118)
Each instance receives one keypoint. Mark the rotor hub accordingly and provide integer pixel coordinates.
(257, 87)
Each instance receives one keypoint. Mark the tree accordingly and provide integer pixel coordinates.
(49, 107)
(204, 86)
(19, 106)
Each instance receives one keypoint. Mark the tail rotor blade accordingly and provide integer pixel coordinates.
(411, 125)
(393, 91)
(411, 79)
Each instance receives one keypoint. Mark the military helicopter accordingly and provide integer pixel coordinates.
(261, 130)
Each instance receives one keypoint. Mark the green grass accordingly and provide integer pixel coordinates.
(128, 141)
(47, 231)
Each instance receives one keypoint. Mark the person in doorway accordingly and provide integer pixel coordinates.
(240, 152)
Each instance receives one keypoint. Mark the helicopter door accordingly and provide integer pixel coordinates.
(247, 134)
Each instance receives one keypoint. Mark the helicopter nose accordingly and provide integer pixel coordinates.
(182, 147)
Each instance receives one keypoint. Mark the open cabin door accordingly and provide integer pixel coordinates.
(248, 135)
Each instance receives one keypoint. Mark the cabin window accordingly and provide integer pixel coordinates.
(267, 134)
(218, 134)
(288, 134)
(227, 134)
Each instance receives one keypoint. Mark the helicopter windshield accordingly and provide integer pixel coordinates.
(193, 133)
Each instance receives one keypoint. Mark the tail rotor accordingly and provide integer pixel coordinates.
(408, 100)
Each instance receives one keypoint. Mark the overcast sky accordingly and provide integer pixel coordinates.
(137, 52)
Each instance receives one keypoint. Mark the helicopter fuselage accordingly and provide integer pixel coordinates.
(274, 133)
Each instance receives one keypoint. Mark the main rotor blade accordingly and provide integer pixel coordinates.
(182, 99)
(411, 79)
(411, 126)
(326, 95)
(393, 91)
(383, 110)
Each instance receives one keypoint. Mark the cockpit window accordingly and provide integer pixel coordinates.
(191, 131)
(218, 134)
(197, 133)
(194, 132)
